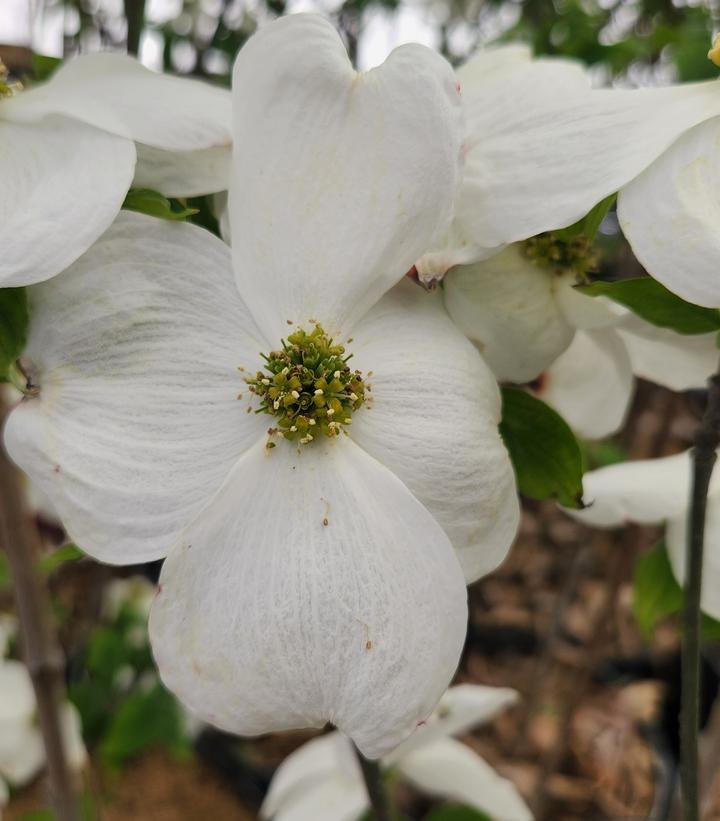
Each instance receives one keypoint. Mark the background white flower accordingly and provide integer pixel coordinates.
(652, 491)
(22, 754)
(72, 147)
(530, 323)
(542, 148)
(302, 584)
(322, 779)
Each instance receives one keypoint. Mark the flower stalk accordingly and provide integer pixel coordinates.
(42, 654)
(707, 440)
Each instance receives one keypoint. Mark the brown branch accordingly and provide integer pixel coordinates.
(42, 653)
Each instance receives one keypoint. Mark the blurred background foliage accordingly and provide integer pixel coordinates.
(632, 42)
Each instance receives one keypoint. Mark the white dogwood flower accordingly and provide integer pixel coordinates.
(322, 779)
(521, 310)
(22, 754)
(71, 148)
(542, 148)
(651, 491)
(315, 551)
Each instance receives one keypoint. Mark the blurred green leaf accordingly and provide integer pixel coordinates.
(589, 224)
(543, 449)
(52, 561)
(13, 327)
(656, 593)
(43, 66)
(654, 303)
(4, 571)
(146, 201)
(600, 454)
(144, 720)
(38, 815)
(456, 812)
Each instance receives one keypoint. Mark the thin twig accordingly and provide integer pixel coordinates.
(372, 776)
(135, 16)
(704, 455)
(42, 653)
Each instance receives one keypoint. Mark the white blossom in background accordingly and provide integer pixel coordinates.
(652, 491)
(542, 148)
(22, 755)
(322, 779)
(531, 325)
(73, 146)
(322, 579)
(670, 213)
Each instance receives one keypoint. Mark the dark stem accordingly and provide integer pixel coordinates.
(135, 16)
(707, 440)
(42, 654)
(372, 776)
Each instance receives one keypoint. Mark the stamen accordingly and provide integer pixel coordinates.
(308, 384)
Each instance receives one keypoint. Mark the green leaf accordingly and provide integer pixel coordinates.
(4, 571)
(143, 720)
(656, 593)
(67, 553)
(543, 449)
(589, 224)
(456, 812)
(43, 66)
(13, 327)
(38, 815)
(654, 303)
(155, 204)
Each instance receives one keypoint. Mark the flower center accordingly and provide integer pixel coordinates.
(7, 89)
(576, 255)
(308, 386)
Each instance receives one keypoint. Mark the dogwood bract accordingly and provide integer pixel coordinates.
(315, 550)
(72, 147)
(521, 309)
(651, 491)
(322, 779)
(542, 148)
(22, 754)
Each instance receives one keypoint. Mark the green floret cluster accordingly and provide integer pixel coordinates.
(308, 386)
(576, 255)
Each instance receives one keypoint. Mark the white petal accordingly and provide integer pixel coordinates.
(322, 776)
(587, 312)
(591, 384)
(461, 708)
(671, 216)
(340, 180)
(22, 754)
(433, 421)
(448, 769)
(71, 729)
(136, 349)
(183, 173)
(676, 361)
(269, 619)
(331, 800)
(117, 94)
(21, 750)
(507, 306)
(544, 148)
(62, 185)
(676, 535)
(488, 63)
(647, 491)
(18, 698)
